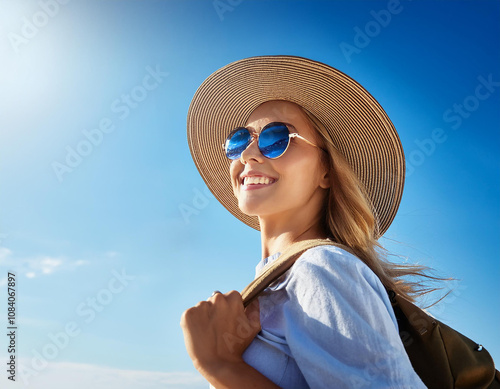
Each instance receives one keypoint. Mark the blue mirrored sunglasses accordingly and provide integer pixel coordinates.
(272, 141)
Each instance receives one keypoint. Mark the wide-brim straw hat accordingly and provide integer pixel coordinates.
(359, 127)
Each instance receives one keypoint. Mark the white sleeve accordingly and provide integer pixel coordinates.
(340, 325)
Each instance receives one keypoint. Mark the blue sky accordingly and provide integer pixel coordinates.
(105, 254)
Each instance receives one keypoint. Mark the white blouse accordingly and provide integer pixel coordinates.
(328, 323)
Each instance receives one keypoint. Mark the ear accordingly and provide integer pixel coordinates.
(324, 181)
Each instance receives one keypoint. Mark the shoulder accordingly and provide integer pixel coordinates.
(335, 263)
(336, 287)
(329, 273)
(334, 295)
(326, 254)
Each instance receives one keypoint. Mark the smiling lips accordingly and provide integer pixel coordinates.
(256, 182)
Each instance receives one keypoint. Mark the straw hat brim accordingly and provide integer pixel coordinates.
(359, 127)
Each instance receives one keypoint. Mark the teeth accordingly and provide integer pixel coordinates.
(257, 180)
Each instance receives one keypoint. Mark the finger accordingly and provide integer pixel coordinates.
(234, 298)
(202, 306)
(234, 302)
(189, 316)
(217, 299)
(214, 293)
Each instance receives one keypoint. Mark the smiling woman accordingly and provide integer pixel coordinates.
(309, 154)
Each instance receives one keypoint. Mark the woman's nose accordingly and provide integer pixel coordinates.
(252, 152)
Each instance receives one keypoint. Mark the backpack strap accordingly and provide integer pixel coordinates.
(277, 268)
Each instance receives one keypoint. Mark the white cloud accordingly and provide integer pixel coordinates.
(48, 265)
(4, 253)
(63, 375)
(32, 267)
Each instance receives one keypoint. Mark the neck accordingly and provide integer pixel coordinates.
(276, 235)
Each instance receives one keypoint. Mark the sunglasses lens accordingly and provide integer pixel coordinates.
(237, 142)
(273, 140)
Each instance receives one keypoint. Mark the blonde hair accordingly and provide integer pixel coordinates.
(348, 218)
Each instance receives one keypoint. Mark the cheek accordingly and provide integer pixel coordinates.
(303, 175)
(235, 170)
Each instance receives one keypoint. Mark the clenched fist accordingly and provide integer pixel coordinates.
(217, 331)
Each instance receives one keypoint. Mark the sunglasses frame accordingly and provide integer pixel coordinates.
(254, 136)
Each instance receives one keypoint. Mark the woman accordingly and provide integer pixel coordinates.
(312, 155)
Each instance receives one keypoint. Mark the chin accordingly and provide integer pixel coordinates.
(250, 209)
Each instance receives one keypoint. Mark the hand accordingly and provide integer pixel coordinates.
(218, 331)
